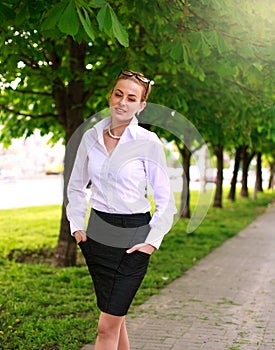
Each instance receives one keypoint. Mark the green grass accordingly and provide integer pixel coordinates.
(43, 307)
(28, 228)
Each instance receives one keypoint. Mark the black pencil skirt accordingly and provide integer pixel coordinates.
(116, 274)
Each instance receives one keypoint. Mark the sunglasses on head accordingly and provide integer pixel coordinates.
(138, 76)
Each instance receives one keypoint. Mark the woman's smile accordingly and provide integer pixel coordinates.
(120, 110)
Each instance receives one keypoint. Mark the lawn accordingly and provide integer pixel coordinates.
(43, 307)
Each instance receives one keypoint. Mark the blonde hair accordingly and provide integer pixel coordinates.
(138, 78)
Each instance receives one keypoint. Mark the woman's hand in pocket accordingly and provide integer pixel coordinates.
(80, 236)
(142, 247)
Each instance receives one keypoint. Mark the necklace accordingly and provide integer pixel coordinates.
(112, 135)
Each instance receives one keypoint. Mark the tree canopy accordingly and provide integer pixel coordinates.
(212, 61)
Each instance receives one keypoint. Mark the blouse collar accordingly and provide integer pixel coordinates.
(106, 122)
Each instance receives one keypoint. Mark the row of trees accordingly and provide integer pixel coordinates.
(212, 61)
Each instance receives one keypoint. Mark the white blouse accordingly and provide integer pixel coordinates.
(120, 180)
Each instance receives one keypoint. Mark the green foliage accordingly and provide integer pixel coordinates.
(212, 50)
(67, 15)
(119, 32)
(53, 16)
(68, 22)
(86, 22)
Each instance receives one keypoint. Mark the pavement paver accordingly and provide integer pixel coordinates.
(225, 301)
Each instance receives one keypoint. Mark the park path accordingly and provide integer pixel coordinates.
(226, 301)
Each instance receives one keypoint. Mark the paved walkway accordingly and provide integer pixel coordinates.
(226, 301)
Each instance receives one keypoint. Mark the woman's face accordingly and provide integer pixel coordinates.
(125, 100)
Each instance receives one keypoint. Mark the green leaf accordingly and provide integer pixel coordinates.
(119, 31)
(104, 19)
(176, 51)
(204, 45)
(98, 3)
(52, 17)
(68, 23)
(254, 76)
(225, 70)
(81, 35)
(86, 22)
(199, 72)
(185, 55)
(221, 43)
(195, 41)
(210, 37)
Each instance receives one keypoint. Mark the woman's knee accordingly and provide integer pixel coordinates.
(109, 325)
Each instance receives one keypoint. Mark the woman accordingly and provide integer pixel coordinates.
(119, 159)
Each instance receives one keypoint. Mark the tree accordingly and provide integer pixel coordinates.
(232, 193)
(46, 83)
(259, 179)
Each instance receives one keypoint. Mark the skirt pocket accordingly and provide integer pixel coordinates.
(134, 264)
(86, 250)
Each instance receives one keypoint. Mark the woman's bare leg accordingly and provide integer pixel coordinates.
(123, 342)
(109, 328)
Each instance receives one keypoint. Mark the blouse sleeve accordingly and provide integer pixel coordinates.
(162, 219)
(76, 190)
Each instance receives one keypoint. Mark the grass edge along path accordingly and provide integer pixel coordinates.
(46, 308)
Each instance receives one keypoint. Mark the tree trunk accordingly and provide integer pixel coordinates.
(246, 162)
(65, 254)
(232, 192)
(271, 182)
(185, 211)
(259, 178)
(70, 103)
(218, 150)
(185, 198)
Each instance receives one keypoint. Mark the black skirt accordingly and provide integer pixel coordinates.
(116, 274)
